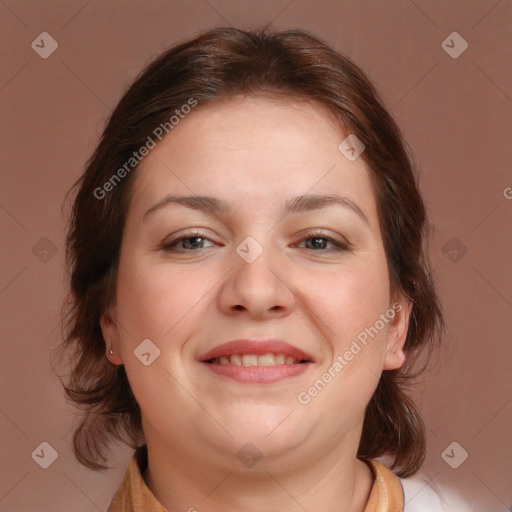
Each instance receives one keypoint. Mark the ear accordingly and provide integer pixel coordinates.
(397, 333)
(110, 331)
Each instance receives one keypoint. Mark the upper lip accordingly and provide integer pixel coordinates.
(254, 346)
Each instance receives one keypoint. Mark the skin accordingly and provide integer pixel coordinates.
(254, 153)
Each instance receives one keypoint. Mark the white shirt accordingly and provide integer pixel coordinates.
(422, 496)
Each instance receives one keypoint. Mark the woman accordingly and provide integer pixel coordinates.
(250, 287)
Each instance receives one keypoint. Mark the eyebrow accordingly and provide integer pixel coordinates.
(299, 204)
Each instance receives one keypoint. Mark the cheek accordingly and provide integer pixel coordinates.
(359, 343)
(155, 299)
(346, 301)
(349, 303)
(158, 303)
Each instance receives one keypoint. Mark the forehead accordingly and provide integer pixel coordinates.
(256, 121)
(253, 149)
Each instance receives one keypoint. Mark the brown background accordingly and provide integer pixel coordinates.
(455, 114)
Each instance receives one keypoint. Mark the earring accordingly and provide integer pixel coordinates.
(111, 351)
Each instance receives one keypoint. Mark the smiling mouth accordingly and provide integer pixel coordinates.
(268, 359)
(253, 361)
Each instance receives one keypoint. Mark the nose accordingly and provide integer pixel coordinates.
(258, 289)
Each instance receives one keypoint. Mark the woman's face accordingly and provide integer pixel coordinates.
(300, 277)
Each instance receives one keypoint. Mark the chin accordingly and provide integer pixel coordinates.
(275, 431)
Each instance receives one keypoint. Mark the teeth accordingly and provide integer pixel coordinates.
(266, 360)
(280, 359)
(255, 360)
(236, 359)
(250, 360)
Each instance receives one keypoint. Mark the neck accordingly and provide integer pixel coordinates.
(182, 481)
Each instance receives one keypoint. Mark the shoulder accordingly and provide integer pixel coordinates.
(133, 494)
(422, 494)
(386, 493)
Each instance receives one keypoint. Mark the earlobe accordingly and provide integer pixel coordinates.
(110, 333)
(397, 334)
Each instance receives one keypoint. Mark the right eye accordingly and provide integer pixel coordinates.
(189, 242)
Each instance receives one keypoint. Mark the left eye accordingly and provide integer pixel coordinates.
(320, 242)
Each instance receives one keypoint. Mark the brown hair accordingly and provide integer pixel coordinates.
(215, 66)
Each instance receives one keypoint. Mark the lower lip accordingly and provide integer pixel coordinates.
(258, 374)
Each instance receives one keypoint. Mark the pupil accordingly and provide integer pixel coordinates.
(318, 242)
(195, 239)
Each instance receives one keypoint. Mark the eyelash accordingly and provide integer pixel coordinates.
(338, 246)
